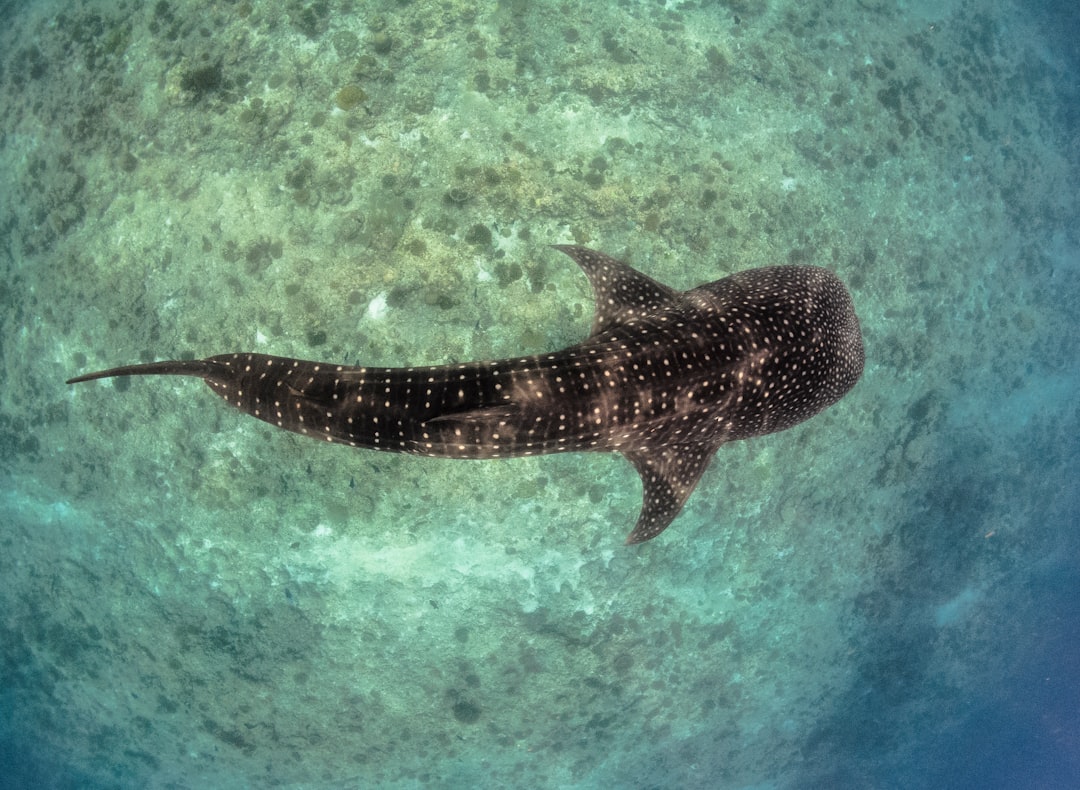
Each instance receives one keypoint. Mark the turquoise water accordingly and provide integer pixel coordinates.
(887, 596)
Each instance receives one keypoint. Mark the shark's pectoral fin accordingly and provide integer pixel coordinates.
(619, 290)
(668, 476)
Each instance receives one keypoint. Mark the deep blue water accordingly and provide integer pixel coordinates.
(887, 596)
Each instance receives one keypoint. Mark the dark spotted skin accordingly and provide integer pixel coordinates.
(665, 378)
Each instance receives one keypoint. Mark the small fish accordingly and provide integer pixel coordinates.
(665, 378)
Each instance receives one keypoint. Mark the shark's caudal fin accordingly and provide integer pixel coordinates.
(203, 368)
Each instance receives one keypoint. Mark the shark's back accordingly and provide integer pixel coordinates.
(796, 339)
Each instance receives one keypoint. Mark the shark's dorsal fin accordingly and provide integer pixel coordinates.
(668, 476)
(620, 291)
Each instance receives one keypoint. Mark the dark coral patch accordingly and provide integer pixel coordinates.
(466, 712)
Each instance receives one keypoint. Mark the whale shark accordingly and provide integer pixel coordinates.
(665, 378)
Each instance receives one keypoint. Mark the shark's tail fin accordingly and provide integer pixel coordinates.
(203, 368)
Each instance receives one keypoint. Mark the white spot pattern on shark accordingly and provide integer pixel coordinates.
(665, 377)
